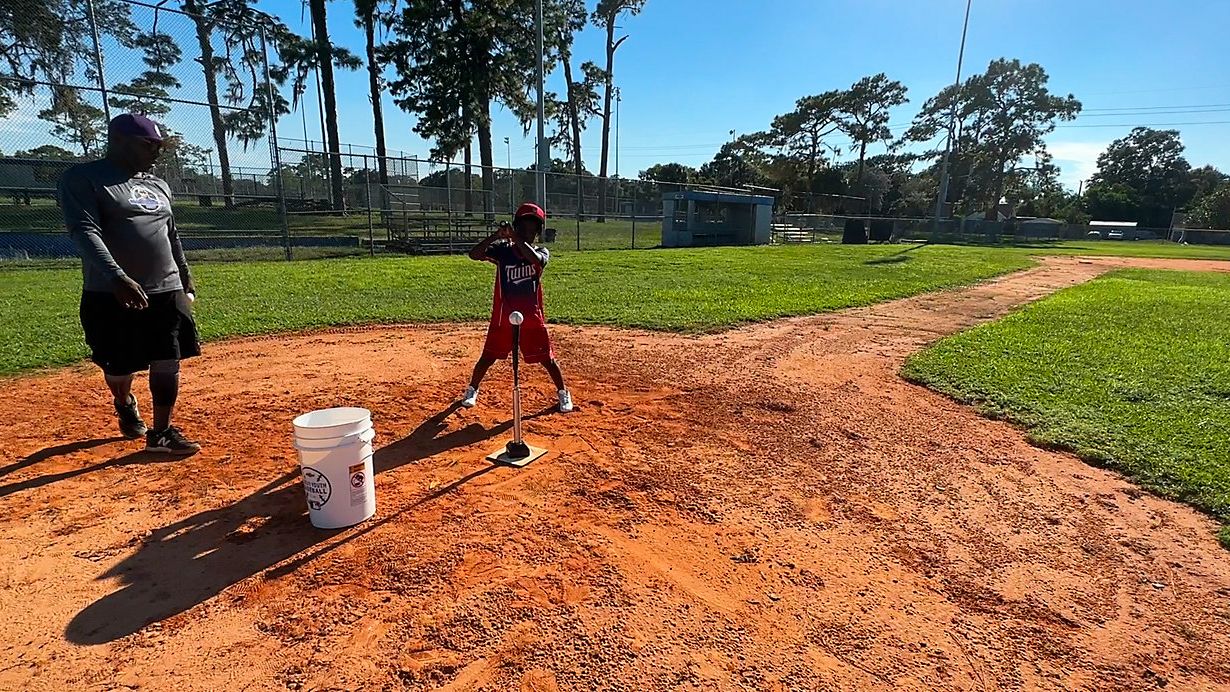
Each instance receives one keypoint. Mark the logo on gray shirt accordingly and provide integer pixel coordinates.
(145, 198)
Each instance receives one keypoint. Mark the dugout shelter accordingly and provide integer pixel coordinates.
(692, 218)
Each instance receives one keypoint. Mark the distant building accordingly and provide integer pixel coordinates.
(712, 217)
(1118, 230)
(1108, 225)
(18, 173)
(1002, 212)
(997, 217)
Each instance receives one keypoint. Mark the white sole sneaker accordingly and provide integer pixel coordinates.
(470, 398)
(565, 402)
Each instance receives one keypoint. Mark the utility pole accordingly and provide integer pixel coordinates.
(511, 202)
(544, 156)
(952, 126)
(618, 182)
(98, 62)
(617, 100)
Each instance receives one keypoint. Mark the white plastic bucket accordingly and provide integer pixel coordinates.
(338, 477)
(315, 452)
(307, 445)
(331, 423)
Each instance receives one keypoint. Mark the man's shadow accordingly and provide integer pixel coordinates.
(51, 453)
(195, 559)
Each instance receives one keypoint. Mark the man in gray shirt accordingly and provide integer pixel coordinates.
(137, 286)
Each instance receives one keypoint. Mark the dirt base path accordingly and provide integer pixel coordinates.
(767, 508)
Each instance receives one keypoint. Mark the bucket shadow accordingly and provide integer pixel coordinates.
(192, 560)
(419, 444)
(301, 560)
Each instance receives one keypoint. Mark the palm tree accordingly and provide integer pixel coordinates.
(209, 67)
(324, 62)
(369, 13)
(605, 15)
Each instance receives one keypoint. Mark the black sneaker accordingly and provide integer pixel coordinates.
(170, 441)
(131, 425)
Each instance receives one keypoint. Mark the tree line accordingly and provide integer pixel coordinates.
(450, 62)
(51, 46)
(1000, 119)
(446, 62)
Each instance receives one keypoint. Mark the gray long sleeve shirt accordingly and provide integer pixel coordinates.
(123, 226)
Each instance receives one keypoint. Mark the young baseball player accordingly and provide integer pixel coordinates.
(518, 288)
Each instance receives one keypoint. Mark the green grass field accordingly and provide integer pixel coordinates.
(1139, 248)
(1130, 371)
(686, 290)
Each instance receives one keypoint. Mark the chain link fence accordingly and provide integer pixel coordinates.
(219, 83)
(218, 86)
(836, 228)
(207, 80)
(428, 207)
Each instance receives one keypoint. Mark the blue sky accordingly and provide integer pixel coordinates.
(693, 70)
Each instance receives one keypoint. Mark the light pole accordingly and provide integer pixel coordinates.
(511, 177)
(617, 101)
(952, 126)
(544, 156)
(617, 185)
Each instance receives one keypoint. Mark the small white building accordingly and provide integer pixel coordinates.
(1117, 230)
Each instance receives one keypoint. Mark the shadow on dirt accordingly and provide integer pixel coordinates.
(132, 459)
(186, 563)
(58, 450)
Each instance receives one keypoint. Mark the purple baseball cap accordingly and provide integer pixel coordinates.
(133, 125)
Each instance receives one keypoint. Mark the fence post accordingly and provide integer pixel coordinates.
(274, 152)
(576, 210)
(448, 206)
(367, 182)
(98, 60)
(635, 190)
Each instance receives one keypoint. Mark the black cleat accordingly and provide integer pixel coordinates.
(131, 425)
(170, 441)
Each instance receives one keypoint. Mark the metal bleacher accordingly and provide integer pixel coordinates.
(425, 231)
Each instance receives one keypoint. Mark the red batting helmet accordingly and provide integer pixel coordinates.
(529, 210)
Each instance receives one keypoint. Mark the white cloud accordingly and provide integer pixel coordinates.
(1076, 160)
(23, 118)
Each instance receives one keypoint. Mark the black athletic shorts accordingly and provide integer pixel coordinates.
(123, 341)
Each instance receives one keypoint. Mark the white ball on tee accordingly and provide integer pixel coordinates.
(516, 318)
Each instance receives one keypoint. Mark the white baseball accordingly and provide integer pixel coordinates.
(516, 318)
